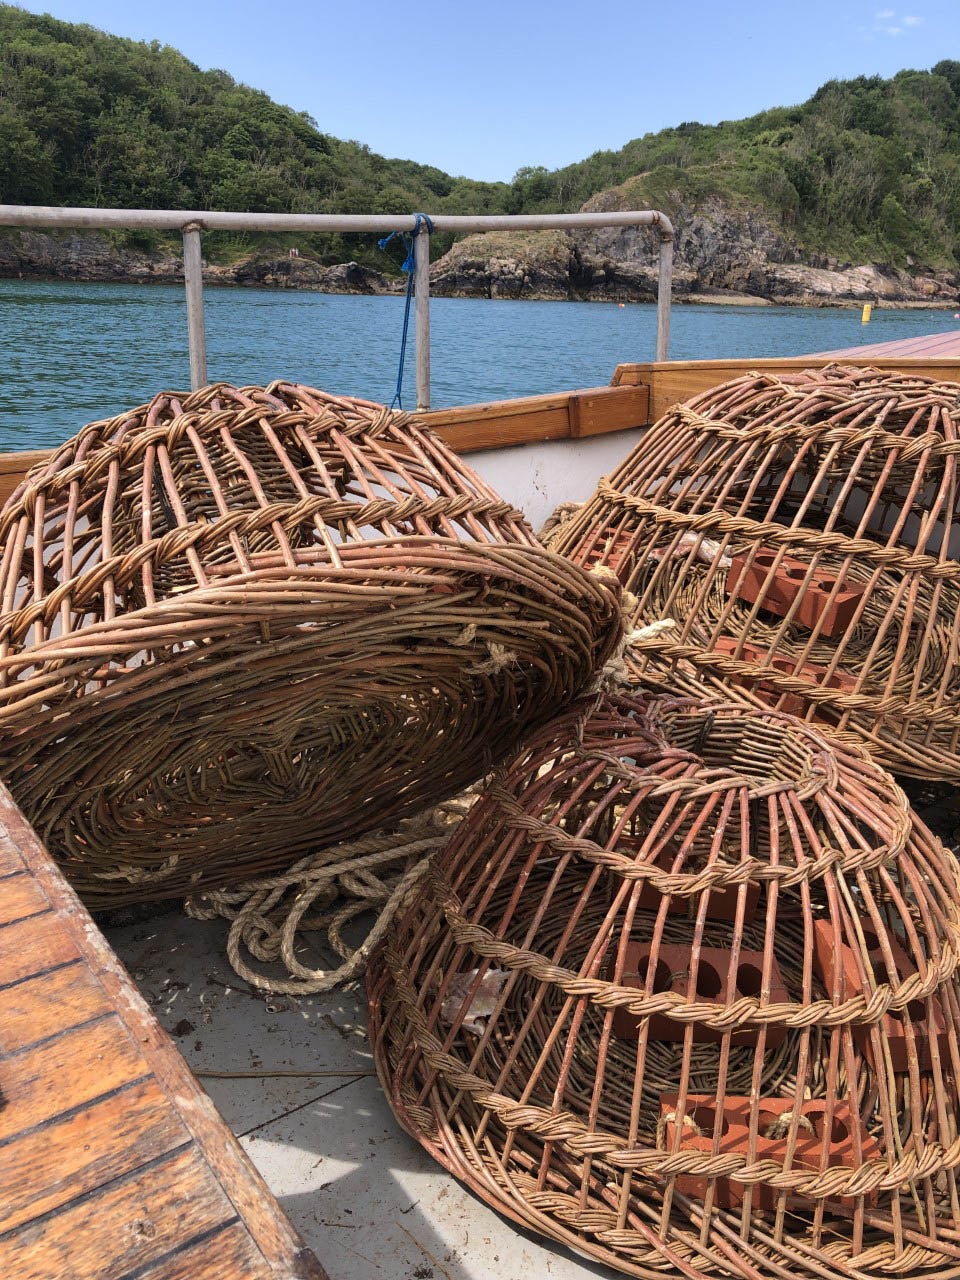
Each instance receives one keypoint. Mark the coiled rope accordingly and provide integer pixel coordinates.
(323, 892)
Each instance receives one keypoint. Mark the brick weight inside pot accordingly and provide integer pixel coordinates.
(681, 993)
(802, 531)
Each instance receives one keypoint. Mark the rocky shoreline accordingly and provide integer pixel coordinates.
(722, 256)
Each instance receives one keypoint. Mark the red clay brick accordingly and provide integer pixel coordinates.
(849, 1144)
(672, 974)
(751, 577)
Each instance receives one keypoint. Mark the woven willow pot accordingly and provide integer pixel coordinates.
(802, 530)
(681, 992)
(244, 623)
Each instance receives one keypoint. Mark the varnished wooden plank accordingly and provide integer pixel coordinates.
(606, 409)
(125, 1227)
(53, 1165)
(26, 950)
(40, 1007)
(671, 382)
(495, 410)
(60, 1074)
(489, 432)
(274, 1237)
(227, 1253)
(558, 416)
(20, 896)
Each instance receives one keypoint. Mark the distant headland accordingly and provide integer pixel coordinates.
(849, 197)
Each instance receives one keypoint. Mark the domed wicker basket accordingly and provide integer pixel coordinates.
(802, 531)
(681, 992)
(242, 624)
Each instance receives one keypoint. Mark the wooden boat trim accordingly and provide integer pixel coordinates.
(566, 415)
(670, 381)
(41, 908)
(637, 395)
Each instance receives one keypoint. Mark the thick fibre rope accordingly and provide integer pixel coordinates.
(374, 873)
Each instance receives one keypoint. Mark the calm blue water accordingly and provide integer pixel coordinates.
(72, 353)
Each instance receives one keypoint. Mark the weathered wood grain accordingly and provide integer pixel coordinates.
(124, 1226)
(54, 1164)
(52, 1002)
(227, 1252)
(28, 949)
(20, 896)
(57, 1075)
(10, 860)
(112, 1158)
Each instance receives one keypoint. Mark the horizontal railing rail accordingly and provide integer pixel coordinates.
(191, 224)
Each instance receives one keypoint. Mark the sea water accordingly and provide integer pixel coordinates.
(72, 353)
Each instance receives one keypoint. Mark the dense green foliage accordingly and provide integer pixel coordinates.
(867, 169)
(92, 119)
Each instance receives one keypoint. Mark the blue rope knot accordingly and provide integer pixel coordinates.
(421, 221)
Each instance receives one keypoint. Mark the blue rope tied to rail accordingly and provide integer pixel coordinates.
(421, 220)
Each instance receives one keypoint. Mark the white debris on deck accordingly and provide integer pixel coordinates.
(367, 1199)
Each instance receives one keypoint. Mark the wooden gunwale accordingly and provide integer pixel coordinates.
(113, 1160)
(637, 395)
(675, 380)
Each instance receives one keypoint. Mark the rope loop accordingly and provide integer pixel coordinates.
(421, 222)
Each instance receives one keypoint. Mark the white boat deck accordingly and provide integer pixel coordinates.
(365, 1197)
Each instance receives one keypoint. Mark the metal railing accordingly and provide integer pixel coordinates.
(192, 223)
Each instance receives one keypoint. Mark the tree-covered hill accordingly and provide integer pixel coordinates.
(867, 170)
(93, 119)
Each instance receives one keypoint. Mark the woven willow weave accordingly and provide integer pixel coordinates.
(682, 992)
(244, 624)
(802, 529)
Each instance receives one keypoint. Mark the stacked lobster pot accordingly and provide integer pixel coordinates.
(242, 625)
(802, 532)
(682, 993)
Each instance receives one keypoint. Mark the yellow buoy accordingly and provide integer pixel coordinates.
(867, 313)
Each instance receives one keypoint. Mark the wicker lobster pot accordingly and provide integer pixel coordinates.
(243, 623)
(681, 992)
(802, 531)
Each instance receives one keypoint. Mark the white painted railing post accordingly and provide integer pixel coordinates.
(664, 288)
(193, 282)
(421, 289)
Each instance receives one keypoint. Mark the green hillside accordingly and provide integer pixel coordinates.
(93, 119)
(867, 170)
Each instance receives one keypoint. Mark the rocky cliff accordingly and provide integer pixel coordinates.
(91, 255)
(724, 252)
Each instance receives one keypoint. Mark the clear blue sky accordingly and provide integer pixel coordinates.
(482, 87)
